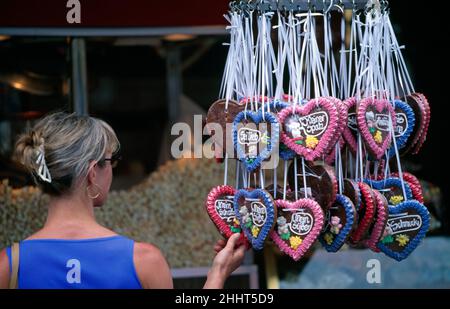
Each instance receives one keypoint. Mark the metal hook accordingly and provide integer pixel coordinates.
(325, 11)
(340, 6)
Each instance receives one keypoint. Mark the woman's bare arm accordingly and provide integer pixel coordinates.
(4, 270)
(151, 267)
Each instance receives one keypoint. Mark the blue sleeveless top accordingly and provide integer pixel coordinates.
(96, 263)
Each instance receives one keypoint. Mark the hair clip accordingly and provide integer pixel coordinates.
(42, 169)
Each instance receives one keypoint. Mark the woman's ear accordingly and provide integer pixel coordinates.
(92, 173)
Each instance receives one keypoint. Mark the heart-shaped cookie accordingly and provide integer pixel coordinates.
(351, 190)
(373, 117)
(219, 117)
(331, 157)
(310, 129)
(278, 192)
(220, 208)
(421, 109)
(339, 222)
(255, 136)
(277, 106)
(405, 122)
(298, 226)
(256, 212)
(350, 132)
(342, 115)
(407, 225)
(392, 189)
(274, 106)
(379, 224)
(366, 214)
(286, 153)
(427, 117)
(321, 182)
(414, 184)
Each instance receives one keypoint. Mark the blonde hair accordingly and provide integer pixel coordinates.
(69, 143)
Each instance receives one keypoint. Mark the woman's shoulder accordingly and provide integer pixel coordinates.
(151, 266)
(148, 254)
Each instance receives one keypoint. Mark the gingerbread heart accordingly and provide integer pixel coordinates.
(310, 129)
(379, 225)
(342, 115)
(320, 180)
(407, 225)
(298, 226)
(414, 184)
(279, 191)
(331, 157)
(219, 115)
(427, 117)
(351, 190)
(350, 132)
(343, 110)
(285, 153)
(277, 106)
(220, 208)
(256, 212)
(255, 143)
(373, 117)
(339, 222)
(421, 109)
(405, 122)
(366, 214)
(392, 189)
(274, 106)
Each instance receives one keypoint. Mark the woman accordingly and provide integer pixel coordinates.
(71, 158)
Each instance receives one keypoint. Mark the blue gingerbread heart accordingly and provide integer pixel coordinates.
(274, 106)
(256, 213)
(285, 152)
(252, 137)
(405, 122)
(335, 233)
(386, 187)
(407, 225)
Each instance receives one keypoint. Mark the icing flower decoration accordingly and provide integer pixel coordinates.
(295, 242)
(255, 231)
(236, 228)
(388, 239)
(265, 139)
(396, 199)
(378, 137)
(328, 238)
(283, 229)
(402, 239)
(387, 236)
(245, 217)
(311, 142)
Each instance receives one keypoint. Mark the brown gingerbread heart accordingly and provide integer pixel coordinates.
(217, 114)
(320, 180)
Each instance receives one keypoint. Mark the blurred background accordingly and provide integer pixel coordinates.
(144, 69)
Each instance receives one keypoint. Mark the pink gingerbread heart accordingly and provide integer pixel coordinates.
(374, 118)
(351, 129)
(220, 207)
(309, 130)
(379, 225)
(298, 226)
